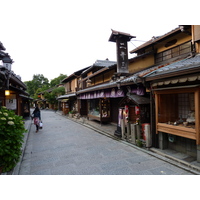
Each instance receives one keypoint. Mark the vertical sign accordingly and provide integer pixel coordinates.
(121, 40)
(122, 55)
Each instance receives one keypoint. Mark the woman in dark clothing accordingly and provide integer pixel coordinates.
(36, 118)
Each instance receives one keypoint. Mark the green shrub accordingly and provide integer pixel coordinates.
(11, 138)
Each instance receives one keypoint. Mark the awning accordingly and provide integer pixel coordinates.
(64, 100)
(66, 96)
(109, 93)
(178, 87)
(177, 80)
(26, 97)
(139, 100)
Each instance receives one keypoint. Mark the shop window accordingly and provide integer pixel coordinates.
(93, 107)
(105, 106)
(176, 109)
(99, 109)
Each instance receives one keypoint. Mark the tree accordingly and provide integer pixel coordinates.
(39, 84)
(51, 96)
(39, 81)
(57, 80)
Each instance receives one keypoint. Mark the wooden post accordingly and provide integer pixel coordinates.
(133, 133)
(148, 135)
(156, 111)
(123, 128)
(128, 131)
(138, 131)
(197, 113)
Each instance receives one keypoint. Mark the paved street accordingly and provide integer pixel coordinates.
(64, 147)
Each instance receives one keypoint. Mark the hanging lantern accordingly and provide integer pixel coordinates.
(137, 110)
(126, 109)
(7, 92)
(7, 62)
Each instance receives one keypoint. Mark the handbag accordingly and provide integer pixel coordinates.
(41, 125)
(36, 121)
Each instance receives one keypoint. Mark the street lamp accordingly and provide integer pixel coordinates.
(7, 62)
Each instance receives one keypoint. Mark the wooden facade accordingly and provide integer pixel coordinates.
(163, 66)
(17, 99)
(170, 109)
(172, 64)
(95, 81)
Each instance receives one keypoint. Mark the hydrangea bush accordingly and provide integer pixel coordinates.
(11, 138)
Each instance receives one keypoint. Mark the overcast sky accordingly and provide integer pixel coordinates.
(50, 37)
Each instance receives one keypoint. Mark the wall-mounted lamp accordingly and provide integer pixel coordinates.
(7, 92)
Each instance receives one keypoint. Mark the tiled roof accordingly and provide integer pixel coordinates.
(188, 63)
(155, 39)
(156, 71)
(2, 47)
(99, 87)
(101, 64)
(104, 63)
(116, 34)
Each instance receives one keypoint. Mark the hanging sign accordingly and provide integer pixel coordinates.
(122, 56)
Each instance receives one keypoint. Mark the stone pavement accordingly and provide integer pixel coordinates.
(65, 147)
(172, 156)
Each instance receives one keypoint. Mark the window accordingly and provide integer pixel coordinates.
(99, 107)
(182, 49)
(176, 109)
(93, 107)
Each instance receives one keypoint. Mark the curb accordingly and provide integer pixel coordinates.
(17, 167)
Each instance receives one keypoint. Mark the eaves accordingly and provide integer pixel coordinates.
(17, 81)
(96, 73)
(174, 74)
(156, 39)
(69, 78)
(67, 96)
(183, 67)
(98, 87)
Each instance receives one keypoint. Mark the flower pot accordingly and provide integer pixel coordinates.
(71, 115)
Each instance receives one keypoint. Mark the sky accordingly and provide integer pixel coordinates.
(53, 37)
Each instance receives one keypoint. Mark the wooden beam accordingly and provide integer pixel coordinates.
(156, 111)
(197, 118)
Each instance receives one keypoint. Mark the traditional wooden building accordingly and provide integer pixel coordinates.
(169, 66)
(13, 93)
(68, 102)
(99, 91)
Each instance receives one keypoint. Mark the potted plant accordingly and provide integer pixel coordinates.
(72, 113)
(11, 138)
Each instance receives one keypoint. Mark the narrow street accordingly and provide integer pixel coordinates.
(64, 147)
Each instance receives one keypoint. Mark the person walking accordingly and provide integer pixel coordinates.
(37, 118)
